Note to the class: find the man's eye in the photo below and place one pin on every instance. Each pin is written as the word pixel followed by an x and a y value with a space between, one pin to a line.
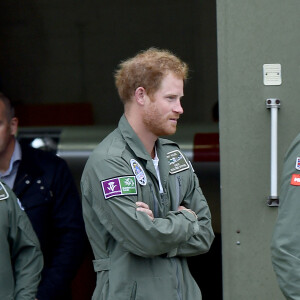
pixel 171 97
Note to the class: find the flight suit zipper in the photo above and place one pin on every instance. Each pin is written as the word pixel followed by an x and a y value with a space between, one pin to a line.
pixel 178 202
pixel 155 201
pixel 178 191
pixel 178 289
pixel 178 188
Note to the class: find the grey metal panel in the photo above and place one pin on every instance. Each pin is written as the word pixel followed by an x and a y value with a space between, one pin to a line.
pixel 250 34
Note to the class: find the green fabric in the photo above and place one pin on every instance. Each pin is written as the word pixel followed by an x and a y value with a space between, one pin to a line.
pixel 285 245
pixel 21 259
pixel 136 258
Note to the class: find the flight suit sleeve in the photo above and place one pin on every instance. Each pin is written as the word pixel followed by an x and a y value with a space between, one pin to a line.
pixel 195 200
pixel 285 245
pixel 26 255
pixel 133 229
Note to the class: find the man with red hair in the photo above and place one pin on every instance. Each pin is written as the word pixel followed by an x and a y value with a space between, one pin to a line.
pixel 143 208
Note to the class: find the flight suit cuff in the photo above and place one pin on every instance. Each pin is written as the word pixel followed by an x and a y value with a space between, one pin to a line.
pixel 193 218
pixel 189 215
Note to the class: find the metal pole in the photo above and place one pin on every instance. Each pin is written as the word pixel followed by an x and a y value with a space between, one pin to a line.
pixel 274 105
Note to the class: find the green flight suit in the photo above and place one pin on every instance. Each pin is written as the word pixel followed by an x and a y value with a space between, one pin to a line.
pixel 135 257
pixel 285 247
pixel 21 259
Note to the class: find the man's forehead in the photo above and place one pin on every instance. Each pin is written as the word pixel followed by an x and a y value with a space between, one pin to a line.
pixel 171 80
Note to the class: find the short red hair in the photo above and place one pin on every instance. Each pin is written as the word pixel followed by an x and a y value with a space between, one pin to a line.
pixel 147 69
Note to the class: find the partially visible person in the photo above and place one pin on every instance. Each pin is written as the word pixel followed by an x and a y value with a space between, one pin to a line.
pixel 285 247
pixel 44 184
pixel 143 208
pixel 21 259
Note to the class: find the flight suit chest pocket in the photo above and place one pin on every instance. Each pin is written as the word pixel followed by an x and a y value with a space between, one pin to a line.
pixel 148 196
pixel 158 202
pixel 176 191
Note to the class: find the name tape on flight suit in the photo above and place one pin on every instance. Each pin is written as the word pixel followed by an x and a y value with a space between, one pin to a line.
pixel 119 186
pixel 295 179
pixel 177 162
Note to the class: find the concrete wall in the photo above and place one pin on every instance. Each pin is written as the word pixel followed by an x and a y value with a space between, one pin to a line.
pixel 55 51
pixel 250 34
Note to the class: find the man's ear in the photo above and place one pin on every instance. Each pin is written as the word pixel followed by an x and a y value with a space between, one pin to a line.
pixel 140 95
pixel 14 125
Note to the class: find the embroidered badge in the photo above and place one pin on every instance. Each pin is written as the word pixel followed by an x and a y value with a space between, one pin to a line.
pixel 295 179
pixel 119 186
pixel 298 163
pixel 3 192
pixel 177 162
pixel 138 172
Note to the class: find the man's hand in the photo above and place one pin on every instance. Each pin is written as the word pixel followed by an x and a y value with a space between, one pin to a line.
pixel 189 210
pixel 181 208
pixel 141 206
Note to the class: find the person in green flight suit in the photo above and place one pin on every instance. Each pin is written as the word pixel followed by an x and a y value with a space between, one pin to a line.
pixel 21 258
pixel 285 246
pixel 143 208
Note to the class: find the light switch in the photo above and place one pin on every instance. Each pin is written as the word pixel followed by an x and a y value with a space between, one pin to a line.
pixel 272 74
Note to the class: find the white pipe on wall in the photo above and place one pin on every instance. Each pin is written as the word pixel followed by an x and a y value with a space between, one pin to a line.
pixel 274 105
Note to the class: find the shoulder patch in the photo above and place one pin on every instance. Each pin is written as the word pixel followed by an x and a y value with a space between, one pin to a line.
pixel 295 180
pixel 298 163
pixel 138 172
pixel 177 162
pixel 3 192
pixel 119 186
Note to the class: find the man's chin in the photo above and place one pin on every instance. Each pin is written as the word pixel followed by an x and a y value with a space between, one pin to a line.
pixel 170 131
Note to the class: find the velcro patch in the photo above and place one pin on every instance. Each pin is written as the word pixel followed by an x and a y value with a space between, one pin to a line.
pixel 138 172
pixel 119 186
pixel 295 179
pixel 177 162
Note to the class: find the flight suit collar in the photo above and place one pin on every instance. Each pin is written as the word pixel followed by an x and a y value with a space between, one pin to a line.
pixel 164 167
pixel 132 139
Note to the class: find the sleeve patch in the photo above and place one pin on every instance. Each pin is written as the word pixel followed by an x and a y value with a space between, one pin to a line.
pixel 119 186
pixel 295 180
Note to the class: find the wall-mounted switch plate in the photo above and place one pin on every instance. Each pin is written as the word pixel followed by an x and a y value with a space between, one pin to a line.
pixel 272 74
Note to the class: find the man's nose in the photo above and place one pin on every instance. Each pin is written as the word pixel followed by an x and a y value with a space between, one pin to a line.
pixel 178 108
